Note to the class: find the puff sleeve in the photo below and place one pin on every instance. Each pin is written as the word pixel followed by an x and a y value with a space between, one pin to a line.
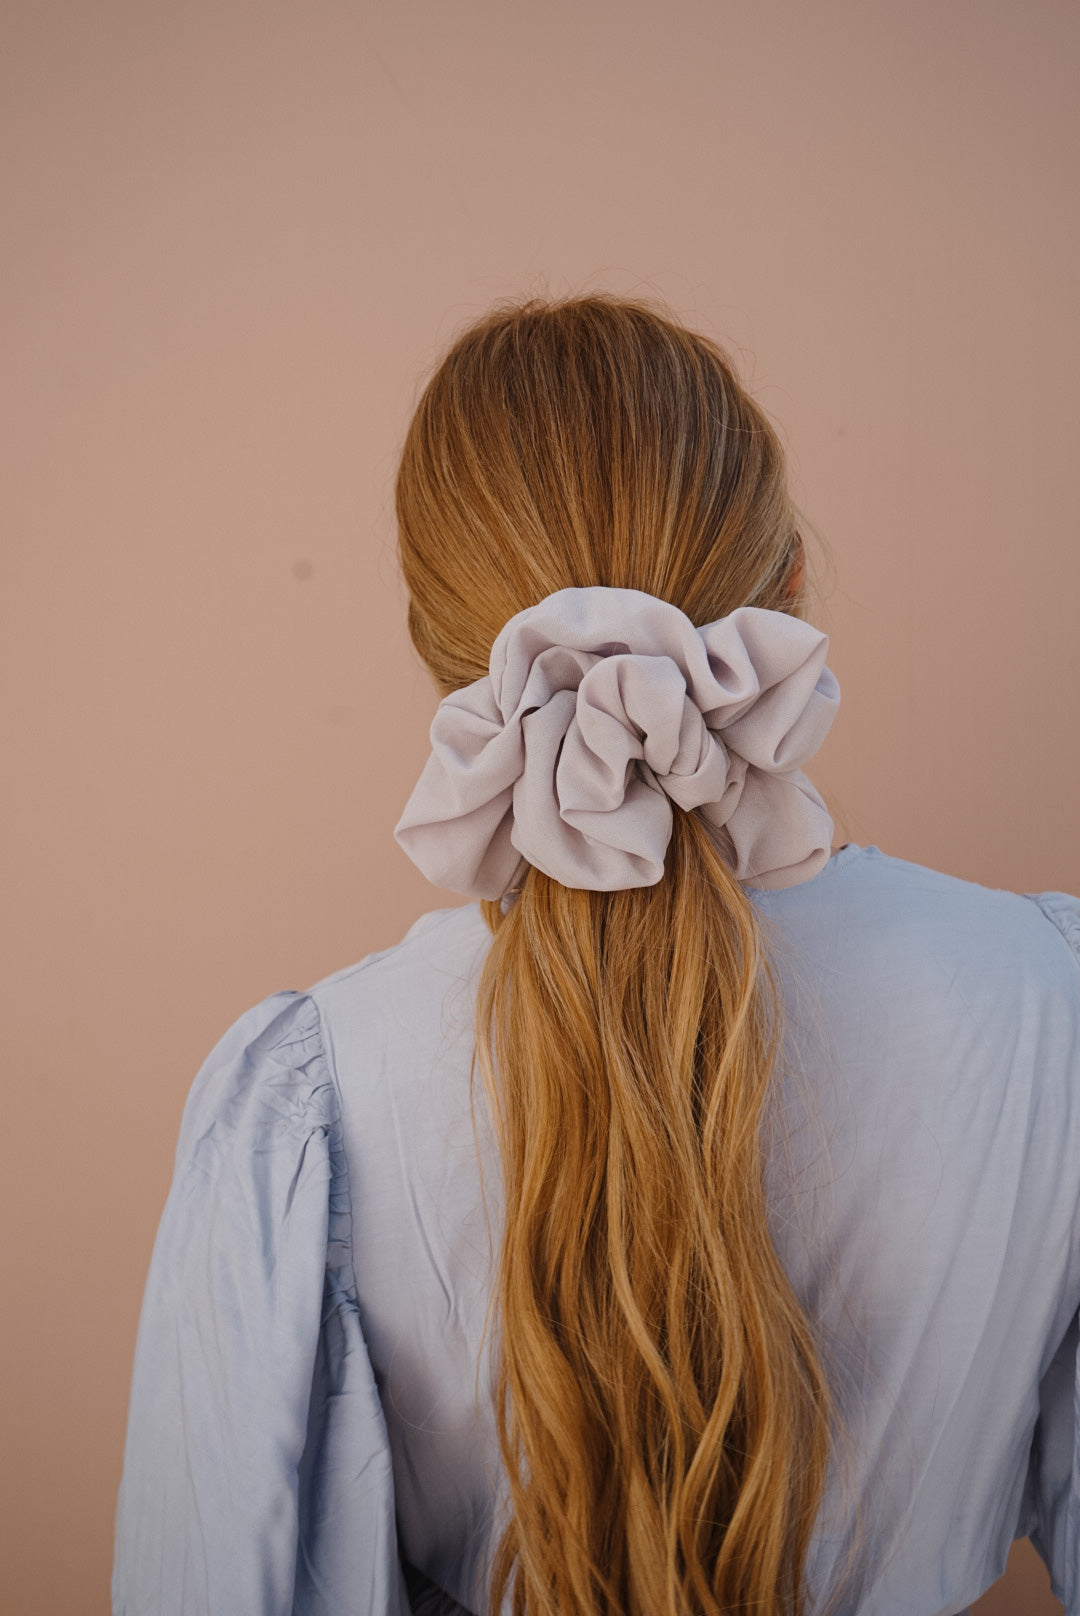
pixel 257 1478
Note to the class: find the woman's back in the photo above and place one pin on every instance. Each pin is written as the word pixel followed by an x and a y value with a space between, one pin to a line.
pixel 924 1199
pixel 779 1147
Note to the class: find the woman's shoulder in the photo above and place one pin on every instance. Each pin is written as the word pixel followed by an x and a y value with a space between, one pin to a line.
pixel 865 911
pixel 434 937
pixel 392 1008
pixel 863 900
pixel 863 892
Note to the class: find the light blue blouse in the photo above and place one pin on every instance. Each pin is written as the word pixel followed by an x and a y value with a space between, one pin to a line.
pixel 310 1430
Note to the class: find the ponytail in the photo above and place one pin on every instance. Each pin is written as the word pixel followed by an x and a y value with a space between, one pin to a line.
pixel 662 1413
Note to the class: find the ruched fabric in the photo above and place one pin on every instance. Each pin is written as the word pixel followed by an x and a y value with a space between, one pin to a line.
pixel 257 1478
pixel 600 709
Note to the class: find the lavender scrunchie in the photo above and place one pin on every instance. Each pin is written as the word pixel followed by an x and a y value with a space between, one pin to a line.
pixel 601 707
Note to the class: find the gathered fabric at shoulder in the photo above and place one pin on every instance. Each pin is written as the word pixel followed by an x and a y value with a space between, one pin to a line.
pixel 257 1478
pixel 1063 910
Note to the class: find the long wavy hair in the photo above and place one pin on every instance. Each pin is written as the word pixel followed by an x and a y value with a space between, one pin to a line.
pixel 662 1411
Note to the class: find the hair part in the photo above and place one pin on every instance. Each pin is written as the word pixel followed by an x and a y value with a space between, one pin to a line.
pixel 662 1412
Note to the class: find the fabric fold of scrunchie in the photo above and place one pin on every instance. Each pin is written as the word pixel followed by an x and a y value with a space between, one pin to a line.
pixel 602 707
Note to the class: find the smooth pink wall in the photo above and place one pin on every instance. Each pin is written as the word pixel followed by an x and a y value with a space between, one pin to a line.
pixel 236 235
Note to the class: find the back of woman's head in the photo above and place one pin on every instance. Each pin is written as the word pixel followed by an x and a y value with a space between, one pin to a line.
pixel 662 1413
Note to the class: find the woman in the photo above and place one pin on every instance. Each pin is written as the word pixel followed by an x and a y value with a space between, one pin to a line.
pixel 750 1280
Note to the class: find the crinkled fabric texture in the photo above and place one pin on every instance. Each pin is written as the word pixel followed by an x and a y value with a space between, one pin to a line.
pixel 601 708
pixel 257 1477
pixel 310 1429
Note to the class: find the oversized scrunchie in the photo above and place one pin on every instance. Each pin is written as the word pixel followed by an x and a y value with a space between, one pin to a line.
pixel 601 708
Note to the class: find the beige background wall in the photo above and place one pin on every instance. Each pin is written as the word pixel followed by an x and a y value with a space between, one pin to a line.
pixel 234 237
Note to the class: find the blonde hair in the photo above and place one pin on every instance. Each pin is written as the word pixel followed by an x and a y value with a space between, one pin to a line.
pixel 662 1412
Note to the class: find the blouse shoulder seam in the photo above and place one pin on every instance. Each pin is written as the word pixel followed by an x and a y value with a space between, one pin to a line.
pixel 299 1044
pixel 1062 910
pixel 341 1288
